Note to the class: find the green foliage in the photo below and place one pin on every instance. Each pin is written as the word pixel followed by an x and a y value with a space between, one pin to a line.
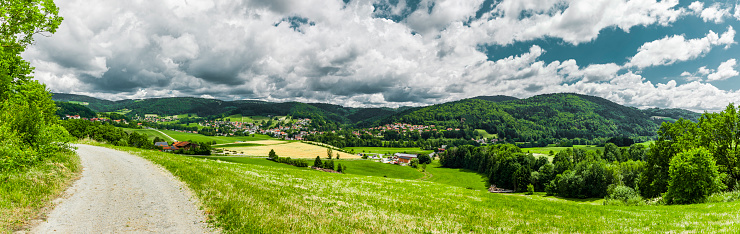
pixel 674 138
pixel 612 152
pixel 329 153
pixel 424 159
pixel 530 189
pixel 622 195
pixel 67 108
pixel 317 163
pixel 329 164
pixel 289 161
pixel 28 124
pixel 693 177
pixel 414 163
pixel 522 178
pixel 550 116
pixel 272 155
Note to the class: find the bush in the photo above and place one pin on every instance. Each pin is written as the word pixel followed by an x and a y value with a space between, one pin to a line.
pixel 725 196
pixel 622 195
pixel 317 163
pixel 693 177
pixel 272 155
pixel 530 189
pixel 425 159
pixel 414 163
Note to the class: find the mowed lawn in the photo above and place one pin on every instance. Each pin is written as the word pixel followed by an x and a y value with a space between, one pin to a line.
pixel 387 150
pixel 253 198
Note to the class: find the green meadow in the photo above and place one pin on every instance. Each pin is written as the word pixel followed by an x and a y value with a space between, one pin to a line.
pixel 485 134
pixel 24 192
pixel 183 136
pixel 257 196
pixel 456 177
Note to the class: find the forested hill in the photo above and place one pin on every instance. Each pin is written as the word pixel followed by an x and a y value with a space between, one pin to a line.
pixel 542 117
pixel 211 107
pixel 539 117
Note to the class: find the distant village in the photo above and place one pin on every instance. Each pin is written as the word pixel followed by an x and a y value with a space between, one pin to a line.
pixel 296 129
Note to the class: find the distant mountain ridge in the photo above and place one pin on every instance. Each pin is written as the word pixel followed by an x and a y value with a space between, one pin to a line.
pixel 560 115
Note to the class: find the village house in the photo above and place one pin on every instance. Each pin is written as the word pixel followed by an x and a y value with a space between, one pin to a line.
pixel 183 145
pixel 405 158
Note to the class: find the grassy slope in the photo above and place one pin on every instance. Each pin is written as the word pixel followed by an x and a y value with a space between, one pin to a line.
pixel 181 136
pixel 23 194
pixel 259 198
pixel 456 177
pixel 387 150
pixel 151 133
pixel 485 134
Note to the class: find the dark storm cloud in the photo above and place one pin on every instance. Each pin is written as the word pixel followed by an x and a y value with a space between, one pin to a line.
pixel 378 52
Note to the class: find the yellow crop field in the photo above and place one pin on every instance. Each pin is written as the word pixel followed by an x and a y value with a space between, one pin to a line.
pixel 293 150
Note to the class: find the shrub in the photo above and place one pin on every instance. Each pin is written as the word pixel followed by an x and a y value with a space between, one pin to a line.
pixel 414 163
pixel 272 155
pixel 424 159
pixel 693 177
pixel 530 189
pixel 725 196
pixel 622 195
pixel 317 163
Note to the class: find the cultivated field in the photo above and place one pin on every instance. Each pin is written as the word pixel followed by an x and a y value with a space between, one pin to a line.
pixel 287 149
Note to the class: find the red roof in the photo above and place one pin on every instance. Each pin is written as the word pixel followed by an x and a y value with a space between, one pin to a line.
pixel 181 144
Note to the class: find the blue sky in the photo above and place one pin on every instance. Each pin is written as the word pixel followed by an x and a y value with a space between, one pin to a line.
pixel 641 53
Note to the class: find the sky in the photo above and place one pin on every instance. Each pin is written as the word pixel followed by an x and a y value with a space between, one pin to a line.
pixel 391 53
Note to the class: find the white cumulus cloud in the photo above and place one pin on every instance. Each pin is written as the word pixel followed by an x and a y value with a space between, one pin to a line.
pixel 677 48
pixel 724 71
pixel 714 13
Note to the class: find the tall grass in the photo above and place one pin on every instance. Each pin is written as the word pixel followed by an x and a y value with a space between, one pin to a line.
pixel 253 198
pixel 26 192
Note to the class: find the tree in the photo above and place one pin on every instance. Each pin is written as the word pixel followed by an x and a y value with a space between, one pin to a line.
pixel 339 167
pixel 673 138
pixel 424 159
pixel 530 189
pixel 329 164
pixel 693 177
pixel 522 178
pixel 29 128
pixel 720 134
pixel 272 155
pixel 337 155
pixel 317 163
pixel 612 152
pixel 328 153
pixel 414 163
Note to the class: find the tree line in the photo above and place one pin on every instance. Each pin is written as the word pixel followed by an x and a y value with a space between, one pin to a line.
pixel 689 162
pixel 108 133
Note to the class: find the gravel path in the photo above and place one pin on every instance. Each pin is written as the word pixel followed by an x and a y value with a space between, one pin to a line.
pixel 119 192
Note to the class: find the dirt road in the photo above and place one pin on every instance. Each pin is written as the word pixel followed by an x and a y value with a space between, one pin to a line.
pixel 119 192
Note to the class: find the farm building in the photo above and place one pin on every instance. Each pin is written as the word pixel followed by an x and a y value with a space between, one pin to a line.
pixel 405 158
pixel 183 145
